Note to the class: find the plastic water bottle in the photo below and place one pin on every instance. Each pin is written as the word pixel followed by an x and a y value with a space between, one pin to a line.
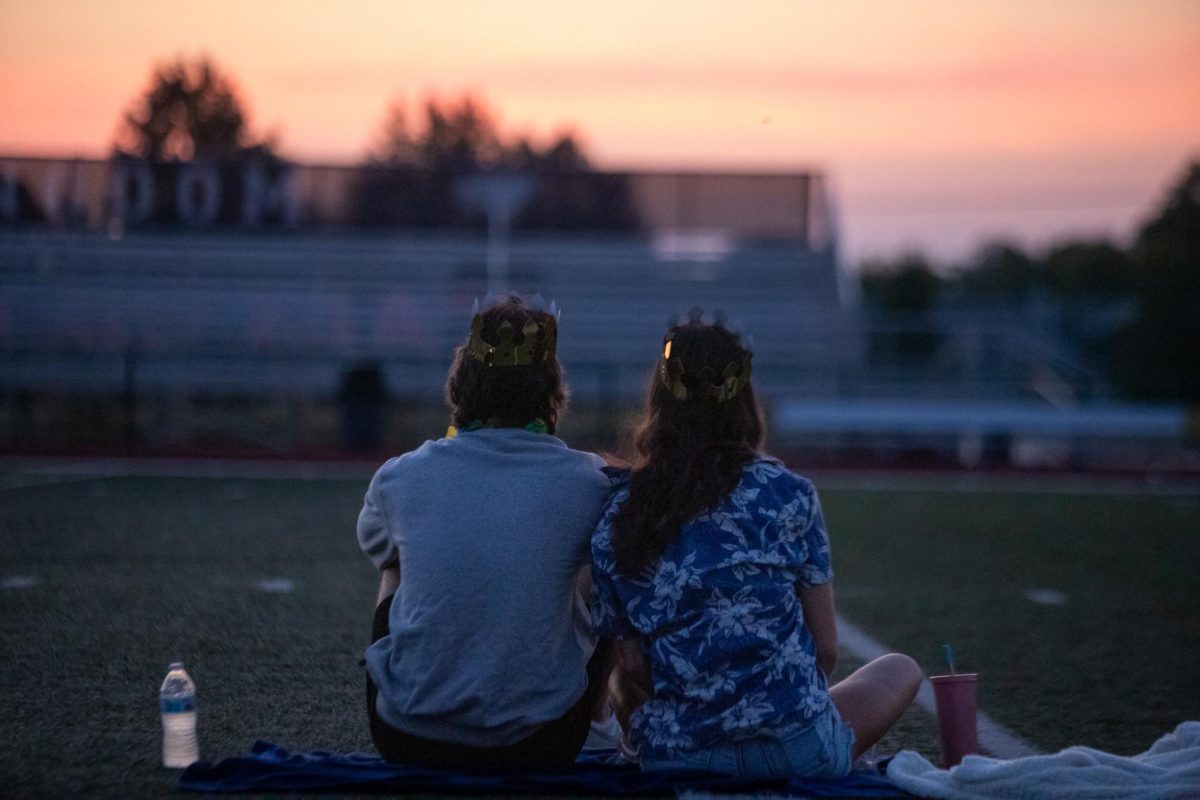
pixel 177 702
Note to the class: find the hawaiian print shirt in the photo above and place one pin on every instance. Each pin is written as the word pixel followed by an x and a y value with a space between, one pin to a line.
pixel 720 617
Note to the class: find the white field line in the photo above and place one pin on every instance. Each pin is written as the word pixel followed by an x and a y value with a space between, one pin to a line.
pixel 997 740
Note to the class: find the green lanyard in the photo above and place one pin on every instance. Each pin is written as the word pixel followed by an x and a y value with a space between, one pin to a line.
pixel 537 426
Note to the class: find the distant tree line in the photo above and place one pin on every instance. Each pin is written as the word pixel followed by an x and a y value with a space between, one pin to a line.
pixel 1153 355
pixel 410 178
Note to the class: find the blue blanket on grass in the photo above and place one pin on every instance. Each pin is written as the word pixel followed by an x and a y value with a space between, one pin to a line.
pixel 270 768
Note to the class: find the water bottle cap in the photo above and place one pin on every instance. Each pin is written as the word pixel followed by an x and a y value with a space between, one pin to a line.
pixel 176 665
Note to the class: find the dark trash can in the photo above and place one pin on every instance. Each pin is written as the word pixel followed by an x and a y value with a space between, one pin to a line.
pixel 364 401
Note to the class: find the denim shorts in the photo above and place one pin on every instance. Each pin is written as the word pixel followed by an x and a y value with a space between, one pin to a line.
pixel 819 750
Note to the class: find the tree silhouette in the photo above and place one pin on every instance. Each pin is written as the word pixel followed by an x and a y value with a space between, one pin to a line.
pixel 395 145
pixel 191 110
pixel 459 137
pixel 1092 269
pixel 905 291
pixel 908 285
pixel 454 136
pixel 411 170
pixel 189 113
pixel 570 195
pixel 1002 272
pixel 1155 358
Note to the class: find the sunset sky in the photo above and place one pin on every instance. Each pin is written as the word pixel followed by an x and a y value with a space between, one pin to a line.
pixel 939 123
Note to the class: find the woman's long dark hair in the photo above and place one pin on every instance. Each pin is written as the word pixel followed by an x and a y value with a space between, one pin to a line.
pixel 689 453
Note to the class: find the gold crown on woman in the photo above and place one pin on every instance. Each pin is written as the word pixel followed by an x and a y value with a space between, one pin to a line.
pixel 706 383
pixel 534 342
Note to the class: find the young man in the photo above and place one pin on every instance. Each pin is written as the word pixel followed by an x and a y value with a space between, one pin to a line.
pixel 483 651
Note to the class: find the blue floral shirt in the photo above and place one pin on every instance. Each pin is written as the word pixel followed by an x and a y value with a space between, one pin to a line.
pixel 720 616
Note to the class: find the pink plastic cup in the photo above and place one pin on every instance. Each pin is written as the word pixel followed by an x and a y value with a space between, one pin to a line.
pixel 954 696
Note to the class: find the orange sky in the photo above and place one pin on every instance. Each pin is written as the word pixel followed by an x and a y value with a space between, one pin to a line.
pixel 939 122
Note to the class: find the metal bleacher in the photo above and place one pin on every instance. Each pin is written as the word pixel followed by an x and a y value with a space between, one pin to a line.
pixel 279 313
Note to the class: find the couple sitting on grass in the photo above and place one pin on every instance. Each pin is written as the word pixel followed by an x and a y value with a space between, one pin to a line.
pixel 527 588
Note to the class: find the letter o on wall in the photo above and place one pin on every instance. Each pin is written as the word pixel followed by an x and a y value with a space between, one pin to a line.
pixel 202 180
pixel 132 192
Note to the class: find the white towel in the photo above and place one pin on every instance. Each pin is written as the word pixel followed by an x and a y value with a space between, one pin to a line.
pixel 1170 770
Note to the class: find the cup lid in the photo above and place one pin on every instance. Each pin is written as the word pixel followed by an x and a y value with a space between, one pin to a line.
pixel 958 677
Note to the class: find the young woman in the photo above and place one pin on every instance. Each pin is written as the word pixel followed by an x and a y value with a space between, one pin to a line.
pixel 482 646
pixel 712 569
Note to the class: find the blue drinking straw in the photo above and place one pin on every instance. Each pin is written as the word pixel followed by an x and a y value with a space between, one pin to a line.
pixel 948 652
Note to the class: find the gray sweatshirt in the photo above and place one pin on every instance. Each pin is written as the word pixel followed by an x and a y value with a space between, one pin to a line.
pixel 488 638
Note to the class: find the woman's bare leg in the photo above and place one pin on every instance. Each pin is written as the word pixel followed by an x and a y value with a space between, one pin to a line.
pixel 872 698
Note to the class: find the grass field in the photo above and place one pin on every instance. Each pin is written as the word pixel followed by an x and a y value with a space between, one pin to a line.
pixel 105 581
pixel 1112 666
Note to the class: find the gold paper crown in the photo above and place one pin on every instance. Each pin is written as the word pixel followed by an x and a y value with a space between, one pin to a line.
pixel 538 341
pixel 720 387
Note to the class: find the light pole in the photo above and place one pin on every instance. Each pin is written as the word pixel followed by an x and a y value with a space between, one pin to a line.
pixel 501 195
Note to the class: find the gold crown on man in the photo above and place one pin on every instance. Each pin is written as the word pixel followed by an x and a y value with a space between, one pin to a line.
pixel 536 340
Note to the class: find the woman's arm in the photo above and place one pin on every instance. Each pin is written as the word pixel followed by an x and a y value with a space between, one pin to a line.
pixel 819 618
pixel 630 684
pixel 389 581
